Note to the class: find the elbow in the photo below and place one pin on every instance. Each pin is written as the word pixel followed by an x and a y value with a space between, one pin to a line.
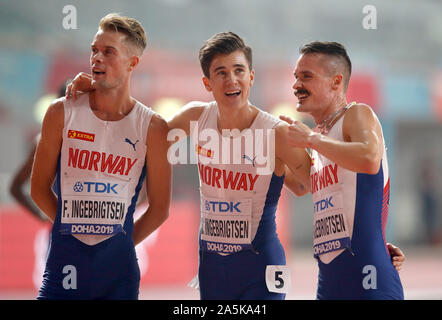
pixel 33 195
pixel 164 214
pixel 304 186
pixel 14 191
pixel 301 193
pixel 371 164
pixel 34 192
pixel 302 190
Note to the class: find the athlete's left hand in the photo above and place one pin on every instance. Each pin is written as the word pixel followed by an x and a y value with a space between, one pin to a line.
pixel 299 135
pixel 82 82
pixel 397 256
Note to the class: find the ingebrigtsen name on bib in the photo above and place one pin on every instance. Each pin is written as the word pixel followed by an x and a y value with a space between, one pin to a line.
pixel 238 229
pixel 94 209
pixel 331 224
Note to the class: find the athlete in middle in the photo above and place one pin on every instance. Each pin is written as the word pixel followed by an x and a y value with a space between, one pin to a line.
pixel 241 172
pixel 241 256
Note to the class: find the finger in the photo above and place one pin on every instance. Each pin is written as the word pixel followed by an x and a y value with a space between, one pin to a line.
pixel 286 119
pixel 294 125
pixel 68 91
pixel 74 91
pixel 391 246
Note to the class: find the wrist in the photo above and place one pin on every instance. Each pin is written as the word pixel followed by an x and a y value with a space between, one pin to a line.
pixel 313 139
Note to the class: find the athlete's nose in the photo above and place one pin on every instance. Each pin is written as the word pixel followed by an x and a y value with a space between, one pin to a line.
pixel 96 57
pixel 297 84
pixel 231 78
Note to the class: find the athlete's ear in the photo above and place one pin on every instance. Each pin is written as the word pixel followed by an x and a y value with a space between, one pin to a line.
pixel 337 81
pixel 207 84
pixel 252 76
pixel 133 62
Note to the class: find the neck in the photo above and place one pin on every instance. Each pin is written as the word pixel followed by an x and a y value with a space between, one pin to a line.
pixel 328 111
pixel 236 118
pixel 111 104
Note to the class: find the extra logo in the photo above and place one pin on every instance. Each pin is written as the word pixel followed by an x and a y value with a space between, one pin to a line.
pixel 97 187
pixel 222 206
pixel 204 152
pixel 74 134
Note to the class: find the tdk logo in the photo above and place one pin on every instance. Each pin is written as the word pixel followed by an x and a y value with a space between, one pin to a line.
pixel 222 206
pixel 97 187
pixel 323 204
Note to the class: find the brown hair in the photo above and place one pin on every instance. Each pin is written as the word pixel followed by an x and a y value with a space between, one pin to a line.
pixel 333 49
pixel 134 31
pixel 222 43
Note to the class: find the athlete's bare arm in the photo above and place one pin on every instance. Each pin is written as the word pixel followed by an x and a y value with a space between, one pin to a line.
pixel 190 112
pixel 181 120
pixel 362 133
pixel 23 175
pixel 46 158
pixel 296 160
pixel 362 148
pixel 158 180
pixel 81 83
pixel 291 183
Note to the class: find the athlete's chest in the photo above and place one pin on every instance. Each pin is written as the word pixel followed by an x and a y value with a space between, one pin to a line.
pixel 114 148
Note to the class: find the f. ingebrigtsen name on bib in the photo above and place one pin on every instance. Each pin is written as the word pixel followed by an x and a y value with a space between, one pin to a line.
pixel 94 209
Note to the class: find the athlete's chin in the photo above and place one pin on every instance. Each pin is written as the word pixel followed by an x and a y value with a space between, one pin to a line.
pixel 102 84
pixel 235 102
pixel 302 107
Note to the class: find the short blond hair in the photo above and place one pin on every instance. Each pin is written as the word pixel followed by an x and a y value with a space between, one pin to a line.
pixel 134 31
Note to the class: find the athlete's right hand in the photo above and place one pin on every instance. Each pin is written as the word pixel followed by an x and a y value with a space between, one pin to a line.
pixel 287 119
pixel 81 83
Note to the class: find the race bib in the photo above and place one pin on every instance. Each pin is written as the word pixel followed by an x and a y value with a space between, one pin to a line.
pixel 278 278
pixel 92 206
pixel 330 227
pixel 226 225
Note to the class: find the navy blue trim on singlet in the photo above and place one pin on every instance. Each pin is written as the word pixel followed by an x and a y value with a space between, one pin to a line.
pixel 57 189
pixel 267 225
pixel 129 221
pixel 343 277
pixel 367 230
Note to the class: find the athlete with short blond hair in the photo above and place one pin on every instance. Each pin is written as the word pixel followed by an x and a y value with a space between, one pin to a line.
pixel 101 148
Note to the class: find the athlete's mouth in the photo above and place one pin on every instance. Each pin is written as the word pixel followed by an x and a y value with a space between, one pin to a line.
pixel 302 94
pixel 98 71
pixel 233 93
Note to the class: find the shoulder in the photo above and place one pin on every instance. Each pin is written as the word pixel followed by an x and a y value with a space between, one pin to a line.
pixel 53 122
pixel 358 119
pixel 268 119
pixel 195 108
pixel 157 135
pixel 192 111
pixel 55 111
pixel 157 124
pixel 359 111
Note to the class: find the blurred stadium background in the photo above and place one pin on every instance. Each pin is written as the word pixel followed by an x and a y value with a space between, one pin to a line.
pixel 397 70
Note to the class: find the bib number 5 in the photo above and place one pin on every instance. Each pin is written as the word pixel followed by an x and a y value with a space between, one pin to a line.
pixel 278 278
